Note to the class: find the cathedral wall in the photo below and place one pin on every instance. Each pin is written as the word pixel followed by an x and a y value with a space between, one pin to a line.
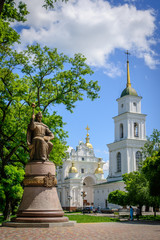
pixel 101 193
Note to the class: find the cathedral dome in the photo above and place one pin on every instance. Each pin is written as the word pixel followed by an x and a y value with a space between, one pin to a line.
pixel 89 145
pixel 129 91
pixel 99 170
pixel 73 169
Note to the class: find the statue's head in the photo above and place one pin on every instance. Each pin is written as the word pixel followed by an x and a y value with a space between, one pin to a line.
pixel 39 117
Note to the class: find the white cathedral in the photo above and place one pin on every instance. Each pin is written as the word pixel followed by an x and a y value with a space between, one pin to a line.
pixel 80 179
pixel 78 175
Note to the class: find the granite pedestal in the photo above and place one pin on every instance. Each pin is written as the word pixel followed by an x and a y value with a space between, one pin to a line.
pixel 40 204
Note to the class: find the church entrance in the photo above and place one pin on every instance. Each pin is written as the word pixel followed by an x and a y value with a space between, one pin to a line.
pixel 88 194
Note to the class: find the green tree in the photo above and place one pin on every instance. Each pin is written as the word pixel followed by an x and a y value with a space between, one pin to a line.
pixel 11 190
pixel 137 191
pixel 39 75
pixel 151 167
pixel 11 11
pixel 136 186
pixel 151 170
pixel 118 197
pixel 152 144
pixel 46 83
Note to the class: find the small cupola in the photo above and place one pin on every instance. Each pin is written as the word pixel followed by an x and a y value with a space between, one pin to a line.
pixel 99 170
pixel 73 169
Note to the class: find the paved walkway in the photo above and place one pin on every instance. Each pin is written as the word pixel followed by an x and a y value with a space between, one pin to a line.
pixel 86 231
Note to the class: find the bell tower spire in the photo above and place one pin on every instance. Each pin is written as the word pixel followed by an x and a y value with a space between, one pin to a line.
pixel 128 74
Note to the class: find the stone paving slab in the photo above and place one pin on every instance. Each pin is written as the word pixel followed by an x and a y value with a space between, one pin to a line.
pixel 86 231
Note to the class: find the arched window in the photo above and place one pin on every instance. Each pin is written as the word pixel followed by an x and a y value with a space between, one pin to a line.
pixel 138 160
pixel 134 107
pixel 121 130
pixel 118 162
pixel 134 104
pixel 136 134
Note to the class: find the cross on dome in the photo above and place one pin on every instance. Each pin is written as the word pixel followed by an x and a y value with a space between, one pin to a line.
pixel 87 128
pixel 127 54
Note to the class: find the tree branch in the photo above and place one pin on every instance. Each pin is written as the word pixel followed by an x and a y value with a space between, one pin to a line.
pixel 11 153
pixel 1 5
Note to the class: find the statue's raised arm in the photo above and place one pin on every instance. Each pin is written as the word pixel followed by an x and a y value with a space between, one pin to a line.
pixel 38 139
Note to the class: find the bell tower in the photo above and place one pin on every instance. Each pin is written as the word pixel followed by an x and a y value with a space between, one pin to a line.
pixel 130 133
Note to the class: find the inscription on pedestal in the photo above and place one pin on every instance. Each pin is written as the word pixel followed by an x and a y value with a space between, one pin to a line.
pixel 40 181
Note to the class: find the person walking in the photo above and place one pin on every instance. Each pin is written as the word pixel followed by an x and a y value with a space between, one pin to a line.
pixel 137 213
pixel 131 213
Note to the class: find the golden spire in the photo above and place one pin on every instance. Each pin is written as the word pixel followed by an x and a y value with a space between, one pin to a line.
pixel 88 144
pixel 128 74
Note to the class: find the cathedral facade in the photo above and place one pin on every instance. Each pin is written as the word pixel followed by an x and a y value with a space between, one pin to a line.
pixel 125 152
pixel 77 176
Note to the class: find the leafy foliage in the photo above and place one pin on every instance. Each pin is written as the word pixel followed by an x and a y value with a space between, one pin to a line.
pixel 49 4
pixel 136 186
pixel 151 169
pixel 137 192
pixel 55 78
pixel 152 144
pixel 118 197
pixel 11 11
pixel 151 164
pixel 11 190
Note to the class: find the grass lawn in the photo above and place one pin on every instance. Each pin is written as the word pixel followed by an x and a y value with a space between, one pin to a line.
pixel 90 219
pixel 150 217
pixel 84 219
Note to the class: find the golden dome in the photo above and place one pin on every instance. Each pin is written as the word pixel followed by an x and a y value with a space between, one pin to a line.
pixel 73 169
pixel 99 170
pixel 88 144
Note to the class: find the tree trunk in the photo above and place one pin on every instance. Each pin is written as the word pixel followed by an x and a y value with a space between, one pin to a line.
pixel 7 210
pixel 154 209
pixel 140 208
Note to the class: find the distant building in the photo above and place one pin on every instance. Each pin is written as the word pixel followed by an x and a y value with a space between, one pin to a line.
pixel 125 152
pixel 76 177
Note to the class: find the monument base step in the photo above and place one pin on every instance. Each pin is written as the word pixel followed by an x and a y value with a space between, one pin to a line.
pixel 38 225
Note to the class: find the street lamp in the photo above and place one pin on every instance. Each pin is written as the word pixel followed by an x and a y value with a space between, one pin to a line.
pixel 83 194
pixel 69 198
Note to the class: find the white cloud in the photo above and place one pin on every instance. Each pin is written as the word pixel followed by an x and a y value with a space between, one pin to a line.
pixel 69 149
pixel 94 28
pixel 150 61
pixel 106 166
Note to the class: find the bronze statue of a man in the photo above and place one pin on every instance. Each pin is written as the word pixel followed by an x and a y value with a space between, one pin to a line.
pixel 38 139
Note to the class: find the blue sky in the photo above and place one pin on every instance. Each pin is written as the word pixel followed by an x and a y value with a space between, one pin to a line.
pixel 103 31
